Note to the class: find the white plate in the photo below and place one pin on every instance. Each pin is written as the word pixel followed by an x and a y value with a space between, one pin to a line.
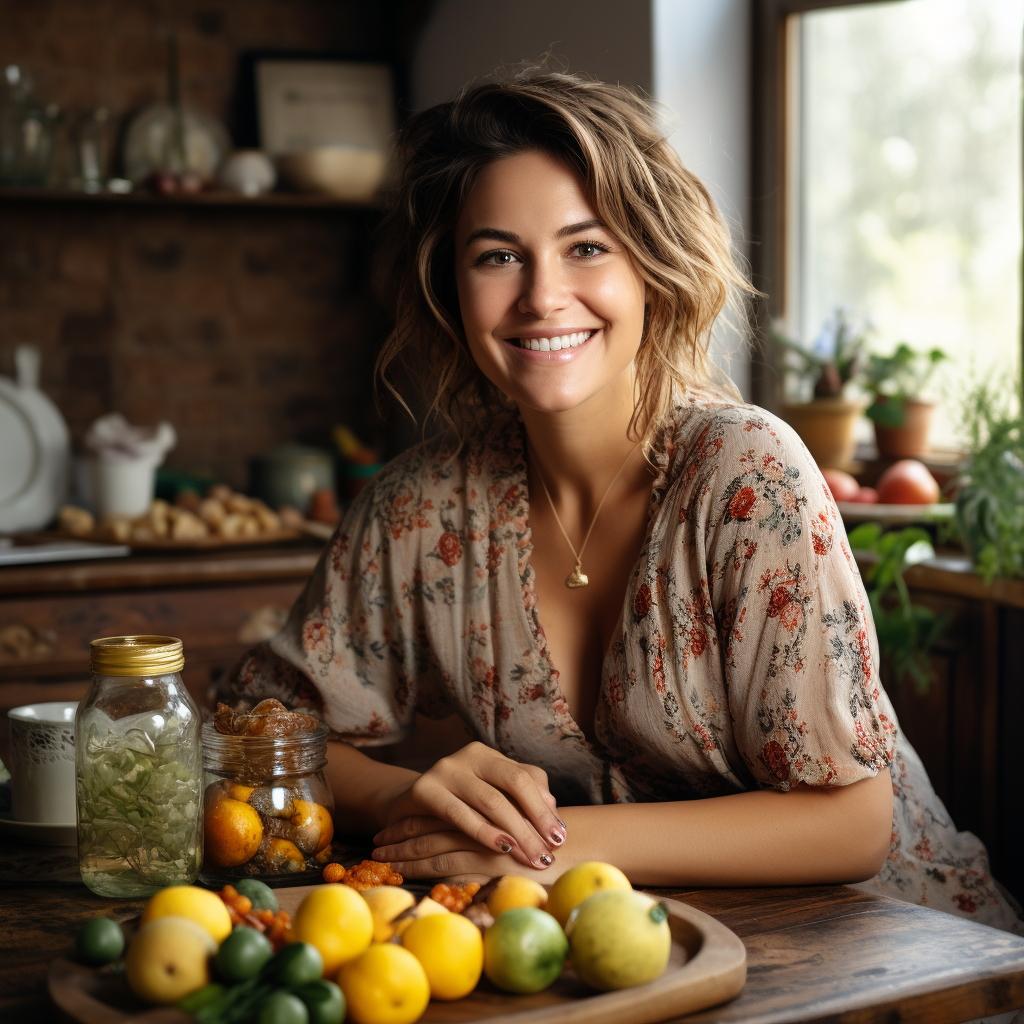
pixel 39 834
pixel 867 512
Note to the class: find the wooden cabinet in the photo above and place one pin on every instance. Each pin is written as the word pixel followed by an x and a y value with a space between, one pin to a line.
pixel 967 727
pixel 217 604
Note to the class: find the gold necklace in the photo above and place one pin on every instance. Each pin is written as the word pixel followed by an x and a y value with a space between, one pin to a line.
pixel 577 578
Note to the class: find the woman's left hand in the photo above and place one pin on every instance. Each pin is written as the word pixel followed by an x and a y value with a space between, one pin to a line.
pixel 427 847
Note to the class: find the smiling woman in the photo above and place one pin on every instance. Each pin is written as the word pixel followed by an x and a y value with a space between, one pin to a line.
pixel 716 716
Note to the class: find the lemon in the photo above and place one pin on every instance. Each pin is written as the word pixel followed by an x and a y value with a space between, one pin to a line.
pixel 619 939
pixel 169 958
pixel 384 985
pixel 514 891
pixel 572 888
pixel 200 905
pixel 424 908
pixel 335 919
pixel 386 902
pixel 451 950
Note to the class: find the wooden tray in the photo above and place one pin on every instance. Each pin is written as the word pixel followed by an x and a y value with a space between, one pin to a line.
pixel 213 542
pixel 894 515
pixel 708 966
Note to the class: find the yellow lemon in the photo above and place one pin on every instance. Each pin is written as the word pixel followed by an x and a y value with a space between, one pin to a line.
pixel 451 950
pixel 168 959
pixel 335 919
pixel 200 905
pixel 386 902
pixel 513 891
pixel 384 985
pixel 572 888
pixel 232 830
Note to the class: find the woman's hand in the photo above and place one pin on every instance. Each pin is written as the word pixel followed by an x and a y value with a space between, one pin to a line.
pixel 445 853
pixel 498 803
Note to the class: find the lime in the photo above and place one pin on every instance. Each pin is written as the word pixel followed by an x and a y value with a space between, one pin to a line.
pixel 283 1008
pixel 242 955
pixel 324 1001
pixel 201 997
pixel 99 941
pixel 524 950
pixel 259 893
pixel 295 965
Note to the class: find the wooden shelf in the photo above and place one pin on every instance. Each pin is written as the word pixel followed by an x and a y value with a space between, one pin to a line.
pixel 143 197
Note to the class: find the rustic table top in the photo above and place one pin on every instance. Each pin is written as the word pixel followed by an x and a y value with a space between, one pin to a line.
pixel 814 954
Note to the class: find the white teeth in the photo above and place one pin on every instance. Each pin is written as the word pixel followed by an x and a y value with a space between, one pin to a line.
pixel 555 344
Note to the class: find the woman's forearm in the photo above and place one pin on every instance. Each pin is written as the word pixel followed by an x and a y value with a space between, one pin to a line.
pixel 363 788
pixel 810 835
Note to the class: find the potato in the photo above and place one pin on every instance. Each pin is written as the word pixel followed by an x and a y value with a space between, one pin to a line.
pixel 77 521
pixel 212 512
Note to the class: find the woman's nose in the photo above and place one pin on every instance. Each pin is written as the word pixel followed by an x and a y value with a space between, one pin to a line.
pixel 545 291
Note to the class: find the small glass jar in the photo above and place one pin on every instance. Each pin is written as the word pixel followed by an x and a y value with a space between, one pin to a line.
pixel 138 766
pixel 268 808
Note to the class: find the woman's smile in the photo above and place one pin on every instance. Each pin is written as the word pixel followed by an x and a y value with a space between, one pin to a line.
pixel 562 344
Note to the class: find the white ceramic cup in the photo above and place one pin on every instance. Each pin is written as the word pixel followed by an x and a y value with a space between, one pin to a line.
pixel 43 763
pixel 122 486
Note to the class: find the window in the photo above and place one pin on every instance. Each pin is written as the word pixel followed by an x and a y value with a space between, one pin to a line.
pixel 902 168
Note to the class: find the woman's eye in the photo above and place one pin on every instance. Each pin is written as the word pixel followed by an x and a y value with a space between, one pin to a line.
pixel 499 258
pixel 587 250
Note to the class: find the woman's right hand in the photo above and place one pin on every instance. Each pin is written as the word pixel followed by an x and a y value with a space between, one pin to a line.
pixel 503 805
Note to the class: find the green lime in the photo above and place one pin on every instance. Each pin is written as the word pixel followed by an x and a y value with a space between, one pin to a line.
pixel 201 997
pixel 242 955
pixel 295 965
pixel 99 941
pixel 524 950
pixel 283 1008
pixel 259 893
pixel 324 1001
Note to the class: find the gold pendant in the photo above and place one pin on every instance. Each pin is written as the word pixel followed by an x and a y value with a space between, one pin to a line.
pixel 576 578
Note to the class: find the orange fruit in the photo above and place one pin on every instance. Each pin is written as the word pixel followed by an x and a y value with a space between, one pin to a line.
pixel 279 857
pixel 232 831
pixel 313 826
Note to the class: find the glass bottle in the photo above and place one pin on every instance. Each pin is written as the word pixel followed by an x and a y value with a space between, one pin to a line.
pixel 269 807
pixel 138 762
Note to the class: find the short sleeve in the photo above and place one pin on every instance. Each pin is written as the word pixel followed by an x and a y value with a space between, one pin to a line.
pixel 355 644
pixel 798 644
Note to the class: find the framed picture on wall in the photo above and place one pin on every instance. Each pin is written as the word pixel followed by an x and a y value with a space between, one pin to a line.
pixel 309 102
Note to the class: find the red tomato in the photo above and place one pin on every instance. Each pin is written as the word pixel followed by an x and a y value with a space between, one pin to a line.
pixel 907 482
pixel 867 496
pixel 842 485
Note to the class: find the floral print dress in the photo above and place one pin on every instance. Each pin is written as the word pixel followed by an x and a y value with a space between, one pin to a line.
pixel 746 659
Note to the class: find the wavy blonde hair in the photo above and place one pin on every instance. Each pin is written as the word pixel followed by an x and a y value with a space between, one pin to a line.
pixel 661 213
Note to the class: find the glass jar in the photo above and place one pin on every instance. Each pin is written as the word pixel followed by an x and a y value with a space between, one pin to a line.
pixel 267 806
pixel 138 765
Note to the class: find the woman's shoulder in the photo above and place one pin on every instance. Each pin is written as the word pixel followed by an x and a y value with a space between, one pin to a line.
pixel 705 435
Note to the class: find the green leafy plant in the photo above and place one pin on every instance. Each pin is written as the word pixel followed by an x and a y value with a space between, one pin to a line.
pixel 897 378
pixel 906 631
pixel 833 360
pixel 990 483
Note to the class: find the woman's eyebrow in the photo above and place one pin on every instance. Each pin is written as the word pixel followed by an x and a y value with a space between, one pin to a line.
pixel 497 235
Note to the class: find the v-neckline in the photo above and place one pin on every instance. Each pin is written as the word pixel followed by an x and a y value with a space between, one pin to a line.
pixel 565 720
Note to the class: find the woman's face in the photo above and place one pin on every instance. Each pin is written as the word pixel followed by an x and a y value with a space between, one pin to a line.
pixel 552 304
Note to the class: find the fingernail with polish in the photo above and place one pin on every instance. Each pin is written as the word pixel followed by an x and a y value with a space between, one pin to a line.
pixel 546 859
pixel 504 844
pixel 556 837
pixel 562 823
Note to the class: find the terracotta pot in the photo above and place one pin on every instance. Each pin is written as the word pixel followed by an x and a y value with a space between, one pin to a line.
pixel 910 440
pixel 826 426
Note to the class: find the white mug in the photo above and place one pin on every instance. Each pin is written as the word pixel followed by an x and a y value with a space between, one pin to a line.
pixel 43 763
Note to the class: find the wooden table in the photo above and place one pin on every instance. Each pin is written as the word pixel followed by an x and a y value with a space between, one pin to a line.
pixel 818 953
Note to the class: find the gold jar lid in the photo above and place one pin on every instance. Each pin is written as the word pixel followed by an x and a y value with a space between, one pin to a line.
pixel 136 656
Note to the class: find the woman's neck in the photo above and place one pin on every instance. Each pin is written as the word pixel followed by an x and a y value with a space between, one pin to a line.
pixel 579 452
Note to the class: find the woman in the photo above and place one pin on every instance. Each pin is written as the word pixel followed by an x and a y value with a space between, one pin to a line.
pixel 594 502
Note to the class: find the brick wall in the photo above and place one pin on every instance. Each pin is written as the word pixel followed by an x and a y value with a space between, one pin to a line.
pixel 245 328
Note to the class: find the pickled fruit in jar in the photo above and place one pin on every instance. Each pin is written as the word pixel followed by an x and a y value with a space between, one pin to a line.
pixel 273 801
pixel 232 829
pixel 312 827
pixel 276 856
pixel 237 791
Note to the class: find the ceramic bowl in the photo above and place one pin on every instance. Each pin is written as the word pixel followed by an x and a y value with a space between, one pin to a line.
pixel 339 171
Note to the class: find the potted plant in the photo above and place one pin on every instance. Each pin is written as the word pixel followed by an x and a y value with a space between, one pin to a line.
pixel 901 416
pixel 826 422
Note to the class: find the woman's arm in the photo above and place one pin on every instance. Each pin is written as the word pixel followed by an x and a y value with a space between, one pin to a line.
pixel 810 835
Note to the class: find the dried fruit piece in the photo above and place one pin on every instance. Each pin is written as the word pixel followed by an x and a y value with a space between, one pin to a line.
pixel 454 897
